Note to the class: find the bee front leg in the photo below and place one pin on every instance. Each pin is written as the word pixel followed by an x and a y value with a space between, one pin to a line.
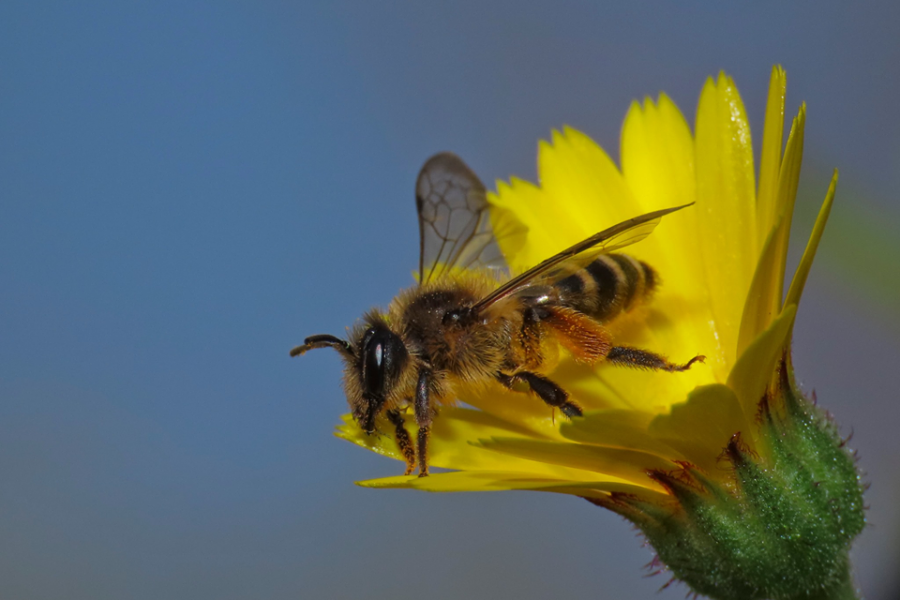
pixel 423 418
pixel 403 440
pixel 546 390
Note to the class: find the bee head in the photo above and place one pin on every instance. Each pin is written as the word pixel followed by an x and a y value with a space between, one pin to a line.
pixel 381 358
pixel 374 361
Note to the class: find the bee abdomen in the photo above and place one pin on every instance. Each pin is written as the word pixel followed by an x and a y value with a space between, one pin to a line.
pixel 610 285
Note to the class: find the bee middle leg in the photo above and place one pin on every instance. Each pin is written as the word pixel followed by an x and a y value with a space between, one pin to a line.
pixel 403 440
pixel 546 390
pixel 644 359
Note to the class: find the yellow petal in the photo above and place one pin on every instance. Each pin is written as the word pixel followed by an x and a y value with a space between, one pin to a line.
pixel 701 427
pixel 799 280
pixel 511 235
pixel 726 206
pixel 658 154
pixel 788 180
pixel 630 465
pixel 492 481
pixel 581 193
pixel 764 297
pixel 618 428
pixel 448 445
pixel 584 184
pixel 527 411
pixel 754 369
pixel 521 204
pixel 380 444
pixel 655 391
pixel 770 161
pixel 658 164
pixel 610 386
pixel 584 383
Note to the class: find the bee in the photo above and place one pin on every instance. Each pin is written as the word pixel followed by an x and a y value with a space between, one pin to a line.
pixel 462 325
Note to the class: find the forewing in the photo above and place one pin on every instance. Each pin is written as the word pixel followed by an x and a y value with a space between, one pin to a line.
pixel 454 220
pixel 581 254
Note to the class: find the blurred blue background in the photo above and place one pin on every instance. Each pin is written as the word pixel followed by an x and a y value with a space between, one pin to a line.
pixel 187 189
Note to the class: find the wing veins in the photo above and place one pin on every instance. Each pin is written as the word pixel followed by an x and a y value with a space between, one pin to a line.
pixel 454 224
pixel 520 281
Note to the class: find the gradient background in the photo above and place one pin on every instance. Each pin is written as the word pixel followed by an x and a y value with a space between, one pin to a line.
pixel 188 189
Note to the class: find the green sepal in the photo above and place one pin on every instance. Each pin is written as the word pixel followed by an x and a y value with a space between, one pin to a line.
pixel 778 527
pixel 808 447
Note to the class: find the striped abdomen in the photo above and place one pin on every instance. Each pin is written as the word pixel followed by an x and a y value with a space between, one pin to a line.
pixel 610 285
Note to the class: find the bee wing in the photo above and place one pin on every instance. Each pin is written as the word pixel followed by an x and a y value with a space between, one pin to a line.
pixel 581 254
pixel 454 221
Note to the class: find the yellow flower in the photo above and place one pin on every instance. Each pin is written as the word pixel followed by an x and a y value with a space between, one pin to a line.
pixel 740 484
pixel 721 263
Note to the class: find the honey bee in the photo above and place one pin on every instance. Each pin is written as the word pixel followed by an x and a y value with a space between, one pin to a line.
pixel 460 325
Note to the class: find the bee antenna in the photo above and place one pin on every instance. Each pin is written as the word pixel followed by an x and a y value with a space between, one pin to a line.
pixel 324 341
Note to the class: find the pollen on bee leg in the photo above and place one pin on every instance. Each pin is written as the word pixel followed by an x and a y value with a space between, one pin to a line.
pixel 404 442
pixel 530 352
pixel 582 336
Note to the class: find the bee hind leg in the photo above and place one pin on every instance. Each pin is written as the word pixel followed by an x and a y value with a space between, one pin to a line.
pixel 403 440
pixel 644 359
pixel 546 390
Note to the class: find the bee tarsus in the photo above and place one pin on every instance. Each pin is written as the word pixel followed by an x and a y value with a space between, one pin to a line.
pixel 643 359
pixel 545 389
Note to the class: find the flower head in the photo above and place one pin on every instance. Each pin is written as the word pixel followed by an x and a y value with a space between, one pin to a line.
pixel 652 445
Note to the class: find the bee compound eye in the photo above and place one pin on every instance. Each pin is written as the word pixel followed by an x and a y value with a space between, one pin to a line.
pixel 383 357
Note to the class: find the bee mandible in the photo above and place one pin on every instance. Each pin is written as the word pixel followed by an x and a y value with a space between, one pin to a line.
pixel 459 325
